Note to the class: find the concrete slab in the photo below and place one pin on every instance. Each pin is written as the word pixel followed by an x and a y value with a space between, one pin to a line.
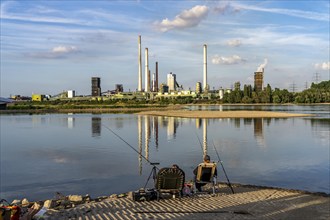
pixel 247 203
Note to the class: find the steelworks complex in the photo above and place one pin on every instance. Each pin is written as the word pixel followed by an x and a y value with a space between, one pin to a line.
pixel 152 89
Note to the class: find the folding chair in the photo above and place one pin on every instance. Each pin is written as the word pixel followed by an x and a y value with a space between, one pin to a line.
pixel 206 174
pixel 169 180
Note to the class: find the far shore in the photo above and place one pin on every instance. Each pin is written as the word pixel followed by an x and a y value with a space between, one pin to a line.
pixel 223 114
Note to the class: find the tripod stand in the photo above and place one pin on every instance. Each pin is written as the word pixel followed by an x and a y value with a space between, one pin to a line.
pixel 153 173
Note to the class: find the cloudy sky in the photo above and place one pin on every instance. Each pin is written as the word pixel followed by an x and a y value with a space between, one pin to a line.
pixel 51 46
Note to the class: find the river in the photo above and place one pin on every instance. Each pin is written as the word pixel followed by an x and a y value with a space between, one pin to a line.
pixel 42 154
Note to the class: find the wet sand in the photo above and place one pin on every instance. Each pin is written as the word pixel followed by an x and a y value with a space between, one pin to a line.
pixel 222 114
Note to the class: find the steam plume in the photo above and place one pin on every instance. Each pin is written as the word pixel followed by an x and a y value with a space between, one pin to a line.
pixel 262 66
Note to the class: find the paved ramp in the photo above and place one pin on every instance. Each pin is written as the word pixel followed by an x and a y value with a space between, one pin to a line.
pixel 246 203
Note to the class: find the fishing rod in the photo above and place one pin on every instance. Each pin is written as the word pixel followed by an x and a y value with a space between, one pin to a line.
pixel 154 168
pixel 128 144
pixel 229 184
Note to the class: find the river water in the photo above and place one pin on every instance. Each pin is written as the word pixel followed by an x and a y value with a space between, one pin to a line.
pixel 83 153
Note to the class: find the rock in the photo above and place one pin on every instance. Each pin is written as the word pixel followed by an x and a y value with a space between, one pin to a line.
pixel 75 198
pixel 59 196
pixel 87 198
pixel 25 202
pixel 113 196
pixel 122 195
pixel 16 202
pixel 49 204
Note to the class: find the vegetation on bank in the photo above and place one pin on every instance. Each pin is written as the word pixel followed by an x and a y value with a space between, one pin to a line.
pixel 317 93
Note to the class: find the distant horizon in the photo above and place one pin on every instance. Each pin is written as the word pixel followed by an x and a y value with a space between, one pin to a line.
pixel 52 46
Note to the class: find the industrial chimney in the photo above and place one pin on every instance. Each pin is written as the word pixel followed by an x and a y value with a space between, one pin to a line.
pixel 147 83
pixel 156 80
pixel 140 66
pixel 205 68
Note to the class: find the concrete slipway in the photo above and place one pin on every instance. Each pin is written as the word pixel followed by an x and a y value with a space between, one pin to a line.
pixel 248 202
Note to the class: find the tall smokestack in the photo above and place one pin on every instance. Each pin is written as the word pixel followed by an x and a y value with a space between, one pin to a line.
pixel 140 66
pixel 205 68
pixel 146 69
pixel 156 83
pixel 148 86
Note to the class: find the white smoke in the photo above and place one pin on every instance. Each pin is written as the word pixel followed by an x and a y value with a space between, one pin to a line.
pixel 322 66
pixel 262 66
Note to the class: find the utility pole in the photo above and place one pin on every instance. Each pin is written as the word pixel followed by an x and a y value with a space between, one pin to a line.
pixel 293 87
pixel 306 85
pixel 316 77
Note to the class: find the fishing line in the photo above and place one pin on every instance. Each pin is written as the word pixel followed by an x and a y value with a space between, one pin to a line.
pixel 229 184
pixel 117 135
pixel 200 143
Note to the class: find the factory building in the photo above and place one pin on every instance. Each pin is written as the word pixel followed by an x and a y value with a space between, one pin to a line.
pixel 119 88
pixel 221 93
pixel 71 93
pixel 259 81
pixel 163 88
pixel 96 86
pixel 171 82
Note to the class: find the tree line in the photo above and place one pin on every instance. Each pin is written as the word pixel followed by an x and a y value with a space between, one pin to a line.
pixel 317 93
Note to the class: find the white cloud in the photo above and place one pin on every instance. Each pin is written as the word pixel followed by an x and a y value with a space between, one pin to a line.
pixel 235 59
pixel 322 66
pixel 186 19
pixel 226 8
pixel 55 53
pixel 234 43
pixel 290 12
pixel 64 49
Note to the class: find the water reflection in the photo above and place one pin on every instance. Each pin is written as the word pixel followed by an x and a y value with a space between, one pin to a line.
pixel 71 120
pixel 171 124
pixel 204 137
pixel 96 126
pixel 258 132
pixel 274 152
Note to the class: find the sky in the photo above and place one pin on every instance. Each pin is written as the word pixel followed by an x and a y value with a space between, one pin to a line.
pixel 48 47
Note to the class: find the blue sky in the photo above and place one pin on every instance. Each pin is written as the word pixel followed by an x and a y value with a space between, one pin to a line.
pixel 51 46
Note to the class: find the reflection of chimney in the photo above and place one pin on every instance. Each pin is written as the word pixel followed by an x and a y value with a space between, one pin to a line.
pixel 204 137
pixel 205 68
pixel 140 142
pixel 146 70
pixel 156 131
pixel 147 136
pixel 156 83
pixel 140 66
pixel 198 122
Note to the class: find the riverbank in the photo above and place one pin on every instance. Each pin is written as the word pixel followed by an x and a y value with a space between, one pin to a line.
pixel 248 202
pixel 223 114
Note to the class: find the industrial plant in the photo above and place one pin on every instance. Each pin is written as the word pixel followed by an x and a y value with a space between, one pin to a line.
pixel 152 89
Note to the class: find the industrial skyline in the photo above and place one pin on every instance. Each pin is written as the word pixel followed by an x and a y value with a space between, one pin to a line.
pixel 52 46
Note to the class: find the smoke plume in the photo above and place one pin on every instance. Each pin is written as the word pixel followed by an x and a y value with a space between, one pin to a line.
pixel 262 66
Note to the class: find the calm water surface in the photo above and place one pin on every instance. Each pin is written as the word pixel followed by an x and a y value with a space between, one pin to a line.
pixel 78 153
